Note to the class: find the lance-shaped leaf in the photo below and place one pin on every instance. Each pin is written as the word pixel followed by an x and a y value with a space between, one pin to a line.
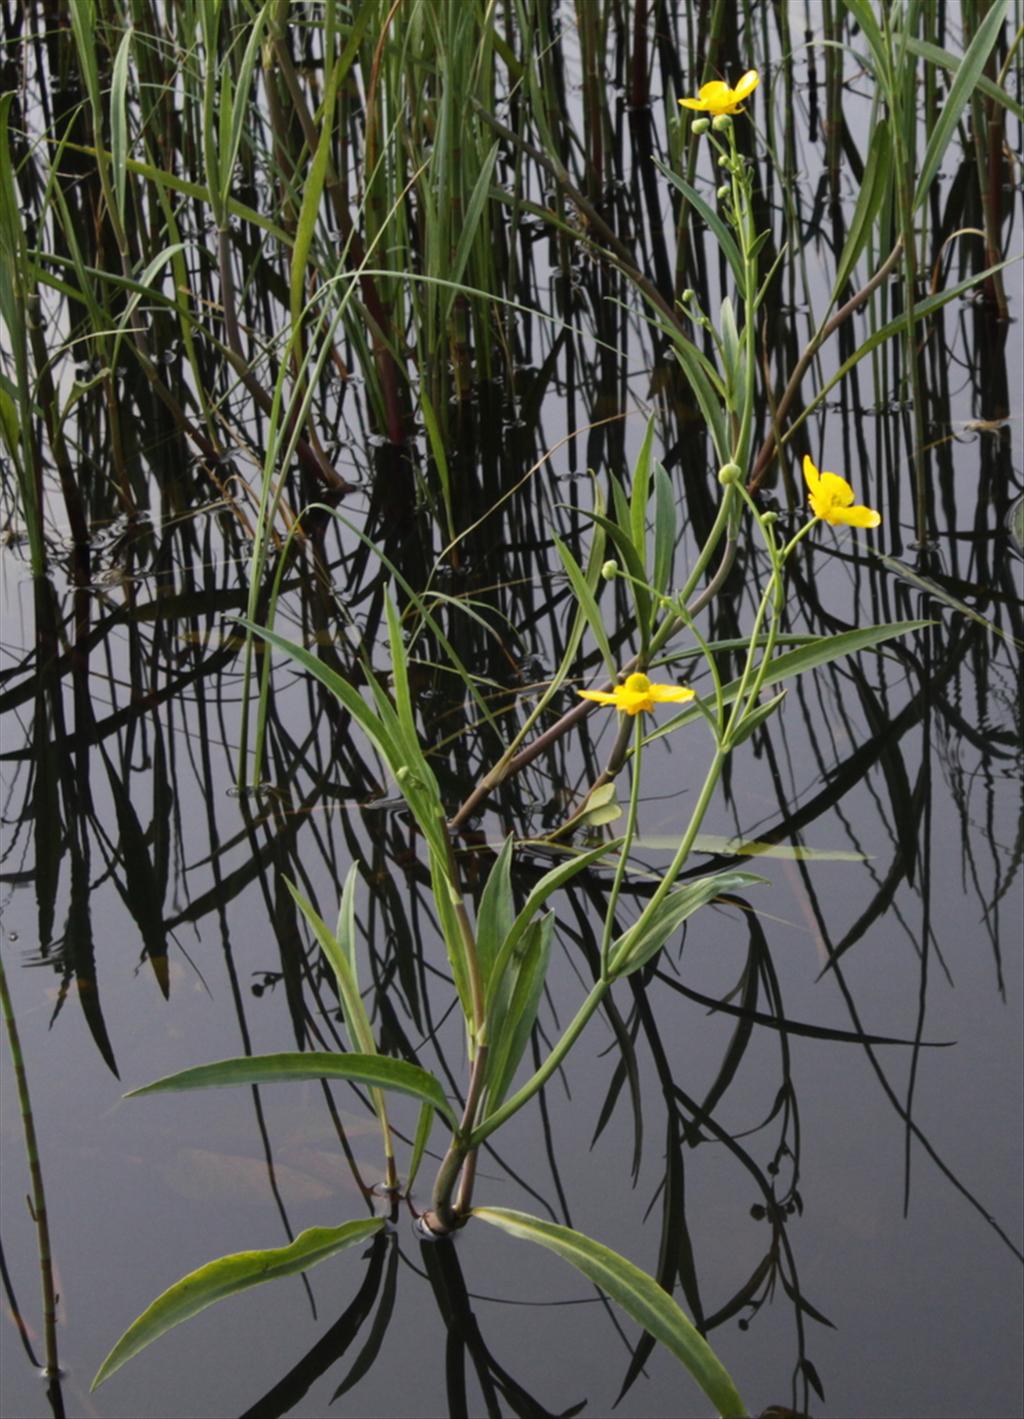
pixel 822 650
pixel 638 1294
pixel 374 1070
pixel 226 1277
pixel 515 1006
pixel 340 953
pixel 549 883
pixel 636 946
pixel 664 529
pixel 497 909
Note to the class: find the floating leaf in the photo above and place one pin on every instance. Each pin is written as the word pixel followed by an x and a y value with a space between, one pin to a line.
pixel 226 1277
pixel 638 1294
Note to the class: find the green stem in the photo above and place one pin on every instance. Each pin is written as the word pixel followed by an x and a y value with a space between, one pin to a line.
pixel 36 1175
pixel 620 869
pixel 700 808
pixel 544 1073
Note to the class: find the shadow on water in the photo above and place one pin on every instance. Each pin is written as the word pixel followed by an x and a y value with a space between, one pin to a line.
pixel 878 976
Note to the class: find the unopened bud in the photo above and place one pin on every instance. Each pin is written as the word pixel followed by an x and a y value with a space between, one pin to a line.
pixel 723 192
pixel 688 295
pixel 700 125
pixel 610 570
pixel 730 473
pixel 769 519
pixel 722 123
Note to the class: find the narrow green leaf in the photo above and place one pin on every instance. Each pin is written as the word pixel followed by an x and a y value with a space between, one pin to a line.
pixel 640 493
pixel 587 602
pixel 640 942
pixel 876 183
pixel 497 909
pixel 424 1124
pixel 119 119
pixel 730 351
pixel 864 14
pixel 226 1277
pixel 374 1070
pixel 722 234
pixel 478 199
pixel 312 191
pixel 966 81
pixel 624 546
pixel 708 401
pixel 754 718
pixel 440 457
pixel 638 1294
pixel 445 898
pixel 340 957
pixel 241 110
pixel 516 1006
pixel 664 530
pixel 943 59
pixel 548 884
pixel 823 650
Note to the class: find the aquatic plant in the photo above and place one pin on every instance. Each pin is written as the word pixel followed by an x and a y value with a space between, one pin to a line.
pixel 499 962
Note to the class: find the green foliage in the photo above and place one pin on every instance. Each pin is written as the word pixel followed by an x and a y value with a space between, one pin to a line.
pixel 227 1276
pixel 638 1294
pixel 376 1070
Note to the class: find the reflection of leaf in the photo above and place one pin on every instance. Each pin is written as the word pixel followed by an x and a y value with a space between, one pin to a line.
pixel 200 1174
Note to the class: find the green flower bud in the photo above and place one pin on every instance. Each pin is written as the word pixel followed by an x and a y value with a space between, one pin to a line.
pixel 769 519
pixel 722 123
pixel 700 125
pixel 725 161
pixel 723 192
pixel 731 473
pixel 688 295
pixel 610 570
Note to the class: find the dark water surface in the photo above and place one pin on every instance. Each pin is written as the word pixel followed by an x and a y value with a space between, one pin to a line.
pixel 844 1214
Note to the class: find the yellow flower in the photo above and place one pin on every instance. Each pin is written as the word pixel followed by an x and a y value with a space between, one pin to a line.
pixel 716 97
pixel 831 499
pixel 639 694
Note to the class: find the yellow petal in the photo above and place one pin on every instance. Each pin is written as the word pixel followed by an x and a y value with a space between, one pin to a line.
pixel 811 475
pixel 715 92
pixel 835 490
pixel 671 694
pixel 601 696
pixel 747 84
pixel 693 103
pixel 857 516
pixel 637 683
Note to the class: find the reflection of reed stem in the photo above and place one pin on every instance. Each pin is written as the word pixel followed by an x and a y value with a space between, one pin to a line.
pixel 768 449
pixel 38 1203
